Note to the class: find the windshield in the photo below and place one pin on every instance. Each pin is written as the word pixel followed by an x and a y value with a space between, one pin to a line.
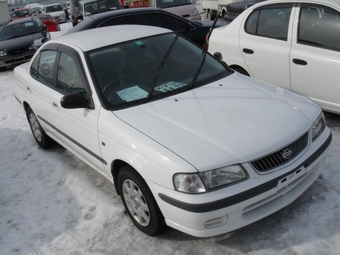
pixel 100 6
pixel 171 3
pixel 20 14
pixel 53 8
pixel 20 29
pixel 125 73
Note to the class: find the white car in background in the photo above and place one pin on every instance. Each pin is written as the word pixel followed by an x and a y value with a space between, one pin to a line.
pixel 294 44
pixel 188 142
pixel 56 11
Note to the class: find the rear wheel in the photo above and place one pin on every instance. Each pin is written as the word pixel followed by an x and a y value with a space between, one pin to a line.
pixel 39 134
pixel 139 202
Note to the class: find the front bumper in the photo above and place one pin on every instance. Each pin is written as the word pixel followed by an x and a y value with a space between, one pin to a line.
pixel 214 213
pixel 14 60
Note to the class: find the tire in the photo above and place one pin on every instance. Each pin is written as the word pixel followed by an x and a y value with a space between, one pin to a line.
pixel 139 202
pixel 211 15
pixel 39 134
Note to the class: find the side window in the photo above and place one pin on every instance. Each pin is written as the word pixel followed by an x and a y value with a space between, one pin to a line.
pixel 43 66
pixel 162 20
pixel 269 22
pixel 131 19
pixel 68 78
pixel 320 27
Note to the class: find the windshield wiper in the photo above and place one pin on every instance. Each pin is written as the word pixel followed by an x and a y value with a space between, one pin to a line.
pixel 159 69
pixel 204 52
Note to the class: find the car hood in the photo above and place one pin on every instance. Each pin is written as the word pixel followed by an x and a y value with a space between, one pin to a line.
pixel 234 120
pixel 19 42
pixel 56 14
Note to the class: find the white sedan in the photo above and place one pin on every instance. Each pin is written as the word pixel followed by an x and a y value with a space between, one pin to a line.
pixel 56 11
pixel 294 44
pixel 188 142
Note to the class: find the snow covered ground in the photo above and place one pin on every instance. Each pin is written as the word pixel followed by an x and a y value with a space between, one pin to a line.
pixel 52 203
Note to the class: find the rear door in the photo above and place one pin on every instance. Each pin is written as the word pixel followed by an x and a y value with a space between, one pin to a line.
pixel 265 42
pixel 315 55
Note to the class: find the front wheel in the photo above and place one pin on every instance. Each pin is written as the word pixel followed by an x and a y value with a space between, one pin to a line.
pixel 139 202
pixel 39 134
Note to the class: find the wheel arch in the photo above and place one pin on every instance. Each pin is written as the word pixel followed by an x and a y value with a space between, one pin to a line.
pixel 239 69
pixel 116 165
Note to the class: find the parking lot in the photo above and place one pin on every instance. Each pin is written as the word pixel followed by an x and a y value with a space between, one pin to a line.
pixel 52 203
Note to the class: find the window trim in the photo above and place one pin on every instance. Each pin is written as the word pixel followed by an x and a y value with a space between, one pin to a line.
pixel 267 7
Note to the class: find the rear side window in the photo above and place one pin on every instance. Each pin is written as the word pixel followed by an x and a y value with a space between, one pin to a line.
pixel 319 26
pixel 43 66
pixel 129 19
pixel 269 22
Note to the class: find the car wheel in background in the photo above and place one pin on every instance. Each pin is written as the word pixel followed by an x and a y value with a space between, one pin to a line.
pixel 211 15
pixel 139 202
pixel 39 134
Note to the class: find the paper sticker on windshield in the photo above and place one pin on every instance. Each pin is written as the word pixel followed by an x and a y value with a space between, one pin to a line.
pixel 169 86
pixel 132 94
pixel 29 24
pixel 139 43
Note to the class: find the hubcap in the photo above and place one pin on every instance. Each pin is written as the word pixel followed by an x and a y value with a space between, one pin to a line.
pixel 35 127
pixel 136 202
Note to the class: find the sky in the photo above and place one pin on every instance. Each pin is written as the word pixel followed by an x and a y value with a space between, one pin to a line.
pixel 53 203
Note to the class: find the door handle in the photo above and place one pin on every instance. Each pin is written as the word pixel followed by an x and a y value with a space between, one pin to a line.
pixel 55 105
pixel 248 51
pixel 299 62
pixel 29 90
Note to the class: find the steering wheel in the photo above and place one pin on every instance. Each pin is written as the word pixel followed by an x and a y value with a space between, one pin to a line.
pixel 109 86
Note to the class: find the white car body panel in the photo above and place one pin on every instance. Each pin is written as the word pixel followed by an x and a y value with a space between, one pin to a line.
pixel 207 136
pixel 231 121
pixel 272 60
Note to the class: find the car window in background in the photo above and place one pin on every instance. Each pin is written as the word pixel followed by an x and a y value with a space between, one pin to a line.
pixel 161 20
pixel 68 78
pixel 319 26
pixel 128 19
pixel 18 30
pixel 269 22
pixel 42 67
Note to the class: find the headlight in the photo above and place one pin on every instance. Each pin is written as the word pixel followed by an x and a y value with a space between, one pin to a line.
pixel 2 53
pixel 62 16
pixel 188 183
pixel 195 12
pixel 222 176
pixel 318 126
pixel 201 182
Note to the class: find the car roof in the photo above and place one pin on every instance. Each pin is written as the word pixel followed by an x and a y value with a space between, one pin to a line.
pixel 22 20
pixel 332 2
pixel 108 36
pixel 113 13
pixel 52 4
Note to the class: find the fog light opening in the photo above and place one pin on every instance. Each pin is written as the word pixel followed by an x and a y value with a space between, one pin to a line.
pixel 216 222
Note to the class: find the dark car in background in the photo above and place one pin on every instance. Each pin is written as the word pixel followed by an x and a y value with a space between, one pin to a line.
pixel 19 40
pixel 235 9
pixel 193 30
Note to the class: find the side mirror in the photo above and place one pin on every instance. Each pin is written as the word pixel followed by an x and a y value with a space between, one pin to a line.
pixel 37 43
pixel 75 101
pixel 218 56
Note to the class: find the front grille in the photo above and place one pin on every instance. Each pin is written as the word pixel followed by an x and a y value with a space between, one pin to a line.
pixel 282 156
